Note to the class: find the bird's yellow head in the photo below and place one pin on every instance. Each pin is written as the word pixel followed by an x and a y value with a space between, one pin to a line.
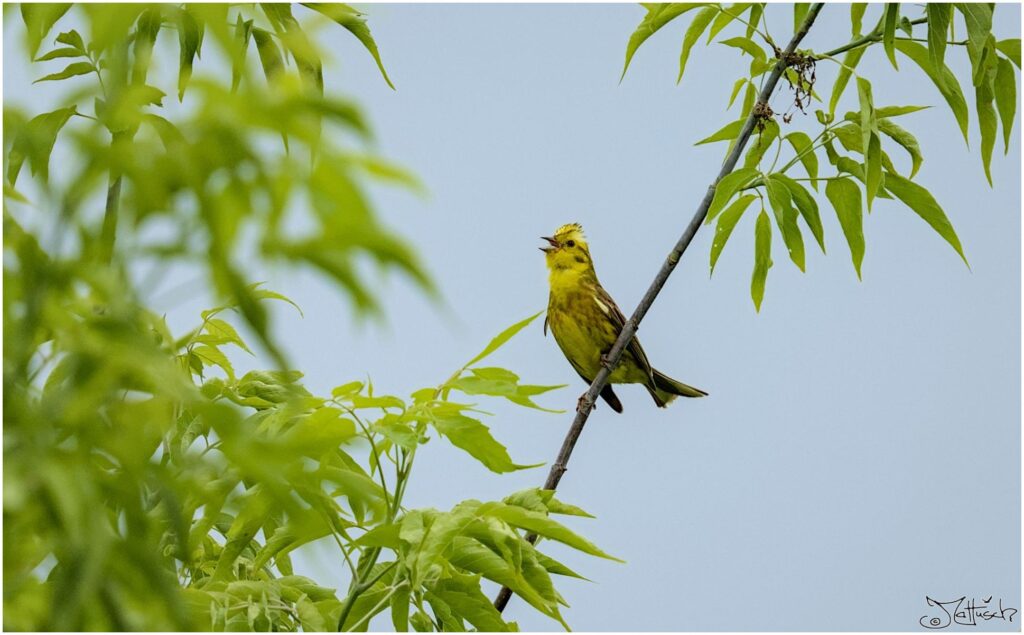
pixel 567 250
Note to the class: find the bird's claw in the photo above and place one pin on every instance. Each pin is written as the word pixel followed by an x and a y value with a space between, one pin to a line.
pixel 607 363
pixel 580 403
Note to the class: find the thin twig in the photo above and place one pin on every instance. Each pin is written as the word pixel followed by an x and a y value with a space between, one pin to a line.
pixel 629 329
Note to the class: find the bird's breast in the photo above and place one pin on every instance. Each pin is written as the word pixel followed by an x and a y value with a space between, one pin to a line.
pixel 581 328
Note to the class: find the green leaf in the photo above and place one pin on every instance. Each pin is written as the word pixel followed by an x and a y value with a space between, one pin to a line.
pixel 471 555
pixel 1006 99
pixel 747 45
pixel 400 608
pixel 309 616
pixel 463 594
pixel 939 16
pixel 802 146
pixel 270 55
pixel 347 390
pixel 762 258
pixel 658 15
pixel 359 402
pixel 857 10
pixel 267 294
pixel 354 23
pixel 890 111
pixel 726 223
pixel 543 500
pixel 849 166
pixel 474 437
pixel 807 207
pixel 300 530
pixel 749 97
pixel 306 57
pixel 541 525
pixel 740 83
pixel 988 125
pixel 1011 49
pixel 727 133
pixel 212 356
pixel 728 186
pixel 449 621
pixel 943 79
pixel 850 61
pixel 35 142
pixel 556 567
pixel 872 144
pixel 923 203
pixel 845 198
pixel 799 13
pixel 61 52
pixel 243 33
pixel 890 18
pixel 725 17
pixel 190 38
pixel 39 18
pixel 905 139
pixel 556 506
pixel 906 26
pixel 756 13
pixel 321 431
pixel 72 39
pixel 380 536
pixel 693 33
pixel 147 28
pixel 978 18
pixel 761 143
pixel 503 337
pixel 78 68
pixel 785 217
pixel 254 513
pixel 225 333
pixel 169 134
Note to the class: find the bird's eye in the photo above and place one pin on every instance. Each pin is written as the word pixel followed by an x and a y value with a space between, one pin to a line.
pixel 571 243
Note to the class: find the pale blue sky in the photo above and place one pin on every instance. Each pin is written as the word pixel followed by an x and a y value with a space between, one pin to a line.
pixel 860 448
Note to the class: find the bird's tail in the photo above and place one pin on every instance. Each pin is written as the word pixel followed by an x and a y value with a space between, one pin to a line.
pixel 666 389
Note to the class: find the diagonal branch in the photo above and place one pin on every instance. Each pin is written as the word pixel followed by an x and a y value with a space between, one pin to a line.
pixel 629 330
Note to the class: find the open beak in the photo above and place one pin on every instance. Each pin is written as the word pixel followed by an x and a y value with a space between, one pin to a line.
pixel 554 244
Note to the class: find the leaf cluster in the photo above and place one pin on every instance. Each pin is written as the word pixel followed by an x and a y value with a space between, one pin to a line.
pixel 855 145
pixel 150 483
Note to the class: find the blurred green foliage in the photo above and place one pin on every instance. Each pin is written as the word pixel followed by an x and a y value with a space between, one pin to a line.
pixel 147 484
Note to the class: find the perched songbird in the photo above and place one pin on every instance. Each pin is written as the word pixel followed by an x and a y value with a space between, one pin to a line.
pixel 586 322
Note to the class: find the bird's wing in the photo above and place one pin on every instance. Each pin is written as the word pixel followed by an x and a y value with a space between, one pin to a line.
pixel 610 309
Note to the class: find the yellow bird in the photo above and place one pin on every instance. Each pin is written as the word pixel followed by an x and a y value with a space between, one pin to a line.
pixel 586 322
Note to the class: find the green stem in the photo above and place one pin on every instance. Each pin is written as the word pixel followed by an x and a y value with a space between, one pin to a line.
pixel 810 150
pixel 830 58
pixel 108 234
pixel 373 449
pixel 359 590
pixel 870 38
pixel 778 152
pixel 360 584
pixel 921 39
